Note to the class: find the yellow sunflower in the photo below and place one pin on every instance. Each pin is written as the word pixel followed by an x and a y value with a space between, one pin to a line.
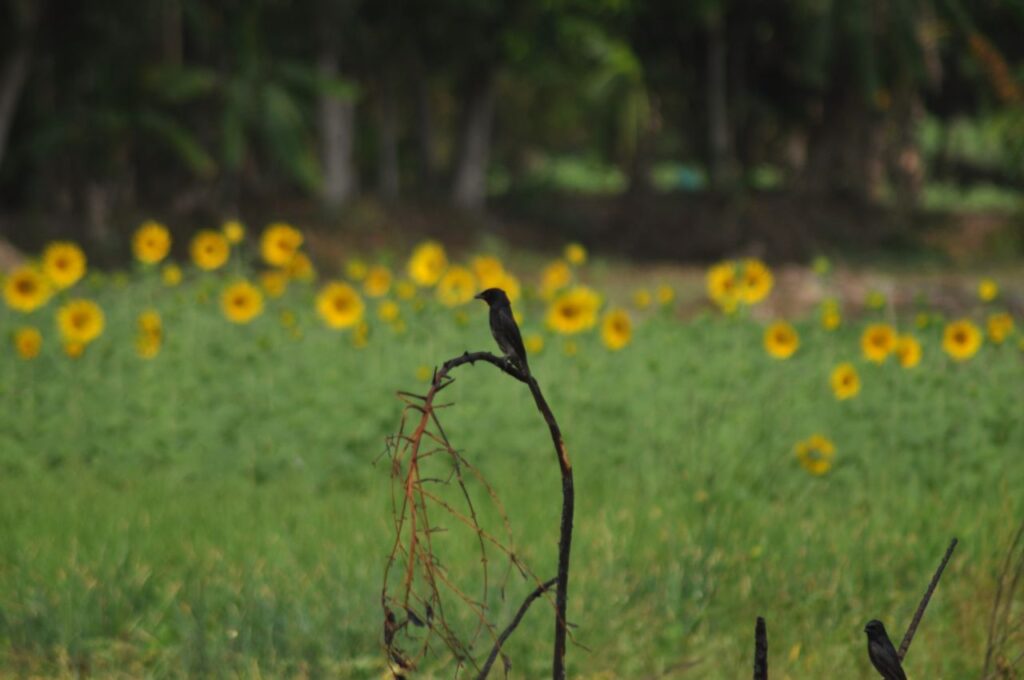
pixel 999 327
pixel 361 335
pixel 844 381
pixel 534 343
pixel 388 311
pixel 427 264
pixel 63 264
pixel 241 302
pixel 150 334
pixel 339 305
pixel 377 282
pixel 830 316
pixel 922 320
pixel 554 278
pixel 405 290
pixel 300 268
pixel 781 340
pixel 575 254
pixel 641 298
pixel 875 299
pixel 574 310
pixel 723 286
pixel 74 349
pixel 961 339
pixel 616 329
pixel 279 243
pixel 210 250
pixel 274 282
pixel 356 269
pixel 150 323
pixel 233 231
pixel 815 454
pixel 878 341
pixel 151 242
pixel 489 271
pixel 28 341
pixel 80 321
pixel 756 283
pixel 26 289
pixel 456 287
pixel 171 275
pixel 988 290
pixel 665 294
pixel 908 351
pixel 148 346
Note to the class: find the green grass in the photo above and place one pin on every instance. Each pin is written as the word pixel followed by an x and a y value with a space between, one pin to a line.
pixel 218 510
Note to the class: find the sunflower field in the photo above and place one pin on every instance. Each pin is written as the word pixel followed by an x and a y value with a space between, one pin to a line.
pixel 191 475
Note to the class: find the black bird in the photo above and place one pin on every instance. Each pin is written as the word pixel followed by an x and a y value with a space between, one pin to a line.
pixel 883 655
pixel 504 328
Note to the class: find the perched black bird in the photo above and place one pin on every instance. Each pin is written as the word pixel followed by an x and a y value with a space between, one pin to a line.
pixel 883 655
pixel 504 328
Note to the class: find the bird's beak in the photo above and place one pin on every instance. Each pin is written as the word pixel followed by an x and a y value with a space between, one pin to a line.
pixel 478 296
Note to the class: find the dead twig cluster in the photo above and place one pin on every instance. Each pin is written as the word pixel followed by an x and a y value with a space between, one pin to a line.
pixel 1006 622
pixel 418 586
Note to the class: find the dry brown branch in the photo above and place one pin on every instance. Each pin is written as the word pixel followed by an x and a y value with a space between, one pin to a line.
pixel 416 584
pixel 909 637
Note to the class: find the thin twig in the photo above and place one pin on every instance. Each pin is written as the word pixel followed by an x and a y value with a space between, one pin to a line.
pixel 496 649
pixel 905 645
pixel 760 650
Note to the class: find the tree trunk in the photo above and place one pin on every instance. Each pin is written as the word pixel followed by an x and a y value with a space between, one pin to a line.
pixel 387 144
pixel 337 135
pixel 425 135
pixel 904 166
pixel 16 68
pixel 469 189
pixel 721 166
pixel 845 149
pixel 171 32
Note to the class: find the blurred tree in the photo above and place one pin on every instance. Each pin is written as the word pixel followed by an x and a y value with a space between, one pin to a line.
pixel 336 102
pixel 195 105
pixel 21 19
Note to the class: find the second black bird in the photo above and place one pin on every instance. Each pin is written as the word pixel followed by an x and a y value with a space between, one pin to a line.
pixel 883 655
pixel 504 328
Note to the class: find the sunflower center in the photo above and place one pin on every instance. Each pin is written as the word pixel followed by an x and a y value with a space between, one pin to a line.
pixel 25 286
pixel 960 338
pixel 79 320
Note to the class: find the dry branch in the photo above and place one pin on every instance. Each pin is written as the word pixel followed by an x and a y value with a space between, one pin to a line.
pixel 1000 626
pixel 414 528
pixel 908 638
pixel 496 649
pixel 760 650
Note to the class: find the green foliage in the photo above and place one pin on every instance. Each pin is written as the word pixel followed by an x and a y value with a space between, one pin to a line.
pixel 218 510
